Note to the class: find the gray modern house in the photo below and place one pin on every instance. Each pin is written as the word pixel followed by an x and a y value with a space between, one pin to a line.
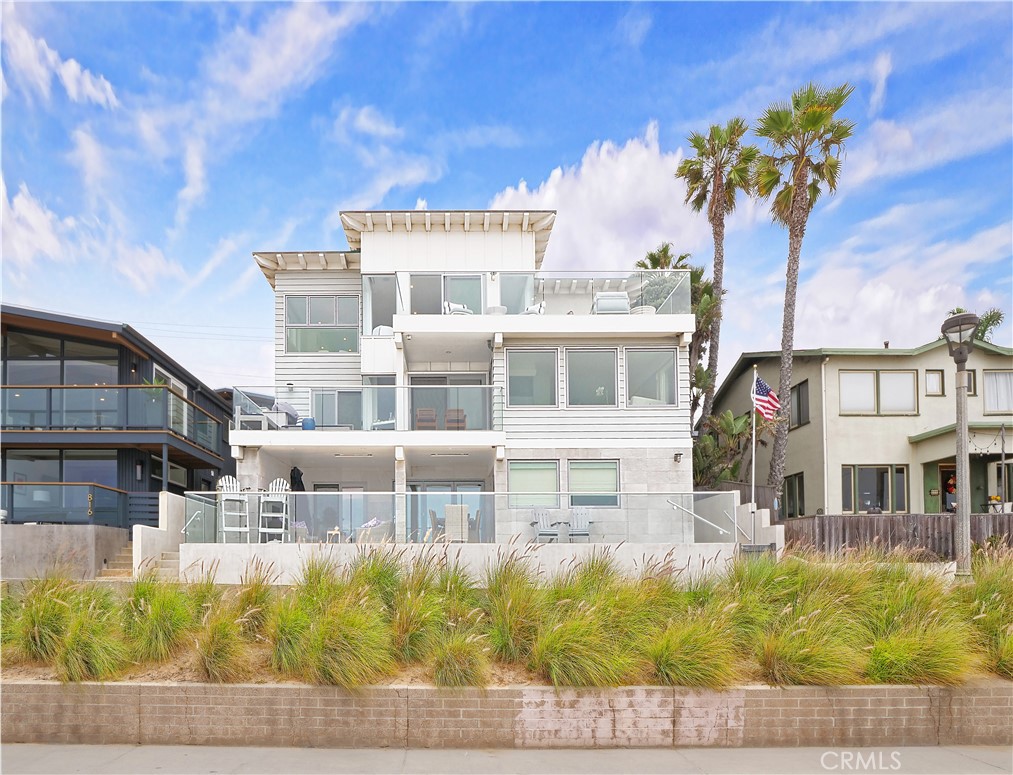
pixel 97 421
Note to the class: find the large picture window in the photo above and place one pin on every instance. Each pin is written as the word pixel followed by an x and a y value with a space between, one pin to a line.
pixel 591 377
pixel 998 387
pixel 878 392
pixel 321 324
pixel 594 483
pixel 533 483
pixel 531 377
pixel 874 489
pixel 651 378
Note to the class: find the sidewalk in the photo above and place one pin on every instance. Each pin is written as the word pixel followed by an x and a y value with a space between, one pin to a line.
pixel 137 760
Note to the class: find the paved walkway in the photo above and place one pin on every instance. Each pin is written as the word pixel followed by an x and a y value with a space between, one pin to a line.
pixel 161 759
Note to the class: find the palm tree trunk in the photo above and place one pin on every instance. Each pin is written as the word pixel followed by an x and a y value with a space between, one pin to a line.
pixel 718 230
pixel 796 231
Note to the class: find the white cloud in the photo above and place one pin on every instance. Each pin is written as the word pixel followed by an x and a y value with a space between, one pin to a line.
pixel 615 206
pixel 389 170
pixel 421 204
pixel 33 64
pixel 31 231
pixel 634 26
pixel 369 121
pixel 145 267
pixel 881 70
pixel 89 157
pixel 225 250
pixel 196 181
pixel 967 125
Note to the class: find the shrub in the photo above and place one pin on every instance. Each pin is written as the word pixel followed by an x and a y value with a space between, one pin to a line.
pixel 516 607
pixel 934 651
pixel 697 651
pixel 459 597
pixel 253 602
pixel 203 593
pixel 10 611
pixel 219 651
pixel 377 570
pixel 416 619
pixel 349 645
pixel 320 583
pixel 461 658
pixel 156 617
pixel 286 631
pixel 42 620
pixel 989 601
pixel 92 647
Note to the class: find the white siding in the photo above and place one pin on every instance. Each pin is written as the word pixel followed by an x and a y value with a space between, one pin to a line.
pixel 617 422
pixel 440 251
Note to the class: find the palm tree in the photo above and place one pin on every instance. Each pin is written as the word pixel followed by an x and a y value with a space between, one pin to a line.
pixel 662 258
pixel 722 167
pixel 807 139
pixel 988 321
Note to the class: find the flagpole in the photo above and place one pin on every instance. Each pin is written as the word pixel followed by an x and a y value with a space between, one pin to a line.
pixel 752 462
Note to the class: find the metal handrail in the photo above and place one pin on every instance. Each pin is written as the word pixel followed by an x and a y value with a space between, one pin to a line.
pixel 697 516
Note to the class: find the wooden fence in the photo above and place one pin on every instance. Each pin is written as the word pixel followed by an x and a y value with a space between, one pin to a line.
pixel 930 532
pixel 764 494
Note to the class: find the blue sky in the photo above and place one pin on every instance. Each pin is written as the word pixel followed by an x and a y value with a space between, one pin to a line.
pixel 150 148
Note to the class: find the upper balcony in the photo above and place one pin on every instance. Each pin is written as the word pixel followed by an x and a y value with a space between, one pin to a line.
pixel 107 408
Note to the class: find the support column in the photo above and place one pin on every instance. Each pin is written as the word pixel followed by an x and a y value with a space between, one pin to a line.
pixel 165 468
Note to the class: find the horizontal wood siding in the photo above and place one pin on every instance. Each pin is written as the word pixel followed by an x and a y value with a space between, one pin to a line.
pixel 619 422
pixel 930 532
pixel 314 370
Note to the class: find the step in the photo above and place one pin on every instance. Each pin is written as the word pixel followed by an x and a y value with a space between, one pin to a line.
pixel 120 565
pixel 108 573
pixel 170 556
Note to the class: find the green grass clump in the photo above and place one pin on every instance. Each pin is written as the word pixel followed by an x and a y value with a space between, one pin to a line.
pixel 459 596
pixel 286 631
pixel 157 616
pixel 320 583
pixel 378 571
pixel 219 650
pixel 42 621
pixel 92 647
pixel 696 651
pixel 10 611
pixel 515 606
pixel 256 593
pixel 934 651
pixel 416 613
pixel 461 658
pixel 349 645
pixel 203 593
pixel 989 602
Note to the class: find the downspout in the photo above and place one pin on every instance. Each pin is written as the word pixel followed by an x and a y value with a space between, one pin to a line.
pixel 826 461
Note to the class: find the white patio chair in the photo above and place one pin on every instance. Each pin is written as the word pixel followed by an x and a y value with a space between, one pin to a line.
pixel 274 519
pixel 580 522
pixel 544 525
pixel 535 309
pixel 233 511
pixel 452 308
pixel 611 303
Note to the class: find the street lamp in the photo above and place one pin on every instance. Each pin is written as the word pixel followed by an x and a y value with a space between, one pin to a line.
pixel 959 332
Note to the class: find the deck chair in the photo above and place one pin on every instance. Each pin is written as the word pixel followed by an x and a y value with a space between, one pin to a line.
pixel 456 420
pixel 580 522
pixel 544 526
pixel 233 511
pixel 273 524
pixel 611 303
pixel 437 530
pixel 450 308
pixel 425 419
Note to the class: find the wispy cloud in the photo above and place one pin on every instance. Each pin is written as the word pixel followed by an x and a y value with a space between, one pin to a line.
pixel 33 65
pixel 881 70
pixel 634 26
pixel 90 159
pixel 368 121
pixel 31 231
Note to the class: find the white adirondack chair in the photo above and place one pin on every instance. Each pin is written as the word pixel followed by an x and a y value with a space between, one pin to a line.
pixel 274 508
pixel 233 511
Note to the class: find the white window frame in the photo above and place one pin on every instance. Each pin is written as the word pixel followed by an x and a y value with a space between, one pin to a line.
pixel 602 494
pixel 985 392
pixel 675 366
pixel 518 501
pixel 354 327
pixel 615 376
pixel 555 374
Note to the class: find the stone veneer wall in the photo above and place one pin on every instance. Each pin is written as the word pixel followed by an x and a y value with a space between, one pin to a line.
pixel 508 717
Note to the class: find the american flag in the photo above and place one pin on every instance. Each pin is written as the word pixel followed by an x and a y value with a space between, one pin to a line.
pixel 764 399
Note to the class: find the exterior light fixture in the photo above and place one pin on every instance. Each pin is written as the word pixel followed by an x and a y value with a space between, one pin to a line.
pixel 959 331
pixel 139 471
pixel 677 457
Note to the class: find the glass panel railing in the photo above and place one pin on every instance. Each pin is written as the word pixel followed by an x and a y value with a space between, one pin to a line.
pixel 25 408
pixel 436 514
pixel 147 407
pixel 370 408
pixel 65 504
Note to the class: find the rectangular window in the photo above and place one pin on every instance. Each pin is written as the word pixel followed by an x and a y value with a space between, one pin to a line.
pixel 321 324
pixel 934 382
pixel 799 414
pixel 466 290
pixel 338 408
pixel 591 377
pixel 594 483
pixel 794 495
pixel 972 382
pixel 878 392
pixel 998 386
pixel 378 305
pixel 533 483
pixel 531 377
pixel 651 378
pixel 874 489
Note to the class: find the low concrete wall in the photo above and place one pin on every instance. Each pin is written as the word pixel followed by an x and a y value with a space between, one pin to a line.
pixel 150 542
pixel 79 551
pixel 287 559
pixel 509 717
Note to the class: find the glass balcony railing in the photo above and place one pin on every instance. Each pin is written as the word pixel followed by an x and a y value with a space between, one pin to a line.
pixel 370 408
pixel 661 292
pixel 63 503
pixel 462 514
pixel 106 408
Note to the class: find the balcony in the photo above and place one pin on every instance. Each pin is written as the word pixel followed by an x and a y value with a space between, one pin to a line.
pixel 107 408
pixel 370 408
pixel 63 503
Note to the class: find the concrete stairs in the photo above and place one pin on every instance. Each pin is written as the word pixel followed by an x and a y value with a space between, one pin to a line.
pixel 168 566
pixel 122 565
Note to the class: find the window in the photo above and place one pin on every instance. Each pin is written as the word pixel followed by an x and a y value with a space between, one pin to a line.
pixel 998 387
pixel 533 483
pixel 44 360
pixel 799 413
pixel 338 408
pixel 378 305
pixel 464 289
pixel 177 474
pixel 874 489
pixel 531 377
pixel 794 495
pixel 328 324
pixel 591 377
pixel 878 392
pixel 972 382
pixel 379 402
pixel 650 378
pixel 594 483
pixel 934 382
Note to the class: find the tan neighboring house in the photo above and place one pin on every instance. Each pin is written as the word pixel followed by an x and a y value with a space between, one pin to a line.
pixel 874 430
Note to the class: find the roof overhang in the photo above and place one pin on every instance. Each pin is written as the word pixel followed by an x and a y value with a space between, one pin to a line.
pixel 537 222
pixel 272 261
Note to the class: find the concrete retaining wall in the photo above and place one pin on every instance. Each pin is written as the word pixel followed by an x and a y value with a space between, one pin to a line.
pixel 521 717
pixel 79 551
pixel 287 559
pixel 150 542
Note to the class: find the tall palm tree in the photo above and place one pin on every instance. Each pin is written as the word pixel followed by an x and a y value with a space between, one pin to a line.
pixel 807 139
pixel 988 321
pixel 722 167
pixel 662 258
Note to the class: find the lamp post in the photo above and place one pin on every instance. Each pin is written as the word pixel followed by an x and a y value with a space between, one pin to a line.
pixel 959 332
